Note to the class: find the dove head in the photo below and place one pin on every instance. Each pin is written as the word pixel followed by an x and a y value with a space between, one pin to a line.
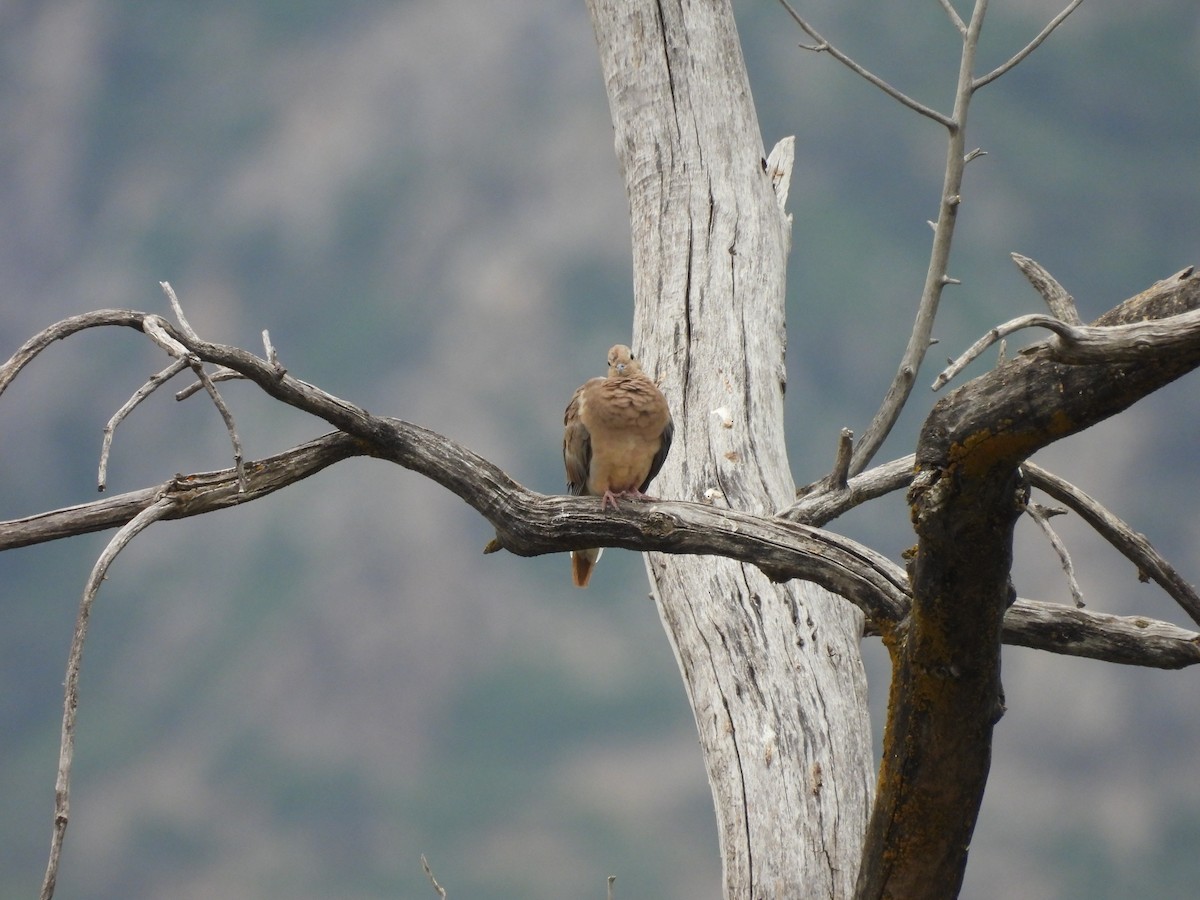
pixel 621 363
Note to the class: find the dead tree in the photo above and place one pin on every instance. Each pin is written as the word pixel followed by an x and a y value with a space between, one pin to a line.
pixel 765 608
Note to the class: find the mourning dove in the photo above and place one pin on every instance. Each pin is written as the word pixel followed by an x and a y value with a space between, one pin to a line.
pixel 617 431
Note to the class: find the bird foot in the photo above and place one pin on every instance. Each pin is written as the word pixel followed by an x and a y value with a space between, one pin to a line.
pixel 610 497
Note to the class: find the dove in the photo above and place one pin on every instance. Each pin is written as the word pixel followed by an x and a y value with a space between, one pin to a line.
pixel 616 434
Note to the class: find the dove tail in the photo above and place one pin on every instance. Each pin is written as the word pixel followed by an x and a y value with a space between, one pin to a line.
pixel 582 562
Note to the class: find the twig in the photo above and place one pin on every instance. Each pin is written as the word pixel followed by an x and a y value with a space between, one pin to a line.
pixel 1150 564
pixel 612 879
pixel 429 874
pixel 195 387
pixel 227 417
pixel 184 324
pixel 823 46
pixel 1028 48
pixel 154 326
pixel 1062 304
pixel 836 479
pixel 936 279
pixel 273 356
pixel 973 352
pixel 141 394
pixel 62 785
pixel 955 18
pixel 817 505
pixel 1041 515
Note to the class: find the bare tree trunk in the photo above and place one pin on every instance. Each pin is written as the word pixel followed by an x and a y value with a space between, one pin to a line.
pixel 773 672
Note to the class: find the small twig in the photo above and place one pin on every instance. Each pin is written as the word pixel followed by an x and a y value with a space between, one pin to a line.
pixel 1061 303
pixel 837 477
pixel 227 416
pixel 823 46
pixel 1032 320
pixel 273 356
pixel 154 327
pixel 817 505
pixel 429 874
pixel 195 387
pixel 184 325
pixel 1133 546
pixel 1041 515
pixel 141 394
pixel 62 785
pixel 611 881
pixel 1027 49
pixel 955 18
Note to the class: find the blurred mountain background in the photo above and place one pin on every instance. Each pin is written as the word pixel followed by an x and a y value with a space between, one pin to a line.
pixel 420 201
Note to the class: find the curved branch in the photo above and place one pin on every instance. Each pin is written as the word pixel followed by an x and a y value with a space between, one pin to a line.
pixel 151 385
pixel 1150 563
pixel 529 523
pixel 62 786
pixel 1082 344
pixel 29 351
pixel 1061 303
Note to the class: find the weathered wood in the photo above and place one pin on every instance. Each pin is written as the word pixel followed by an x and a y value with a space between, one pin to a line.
pixel 966 495
pixel 773 672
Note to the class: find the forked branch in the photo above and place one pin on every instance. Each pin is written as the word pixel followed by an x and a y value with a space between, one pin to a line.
pixel 937 274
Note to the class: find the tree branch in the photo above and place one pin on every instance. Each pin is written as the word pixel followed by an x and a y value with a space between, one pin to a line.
pixel 1126 640
pixel 151 385
pixel 946 694
pixel 529 523
pixel 1150 564
pixel 937 273
pixel 196 494
pixel 823 46
pixel 1062 305
pixel 1028 48
pixel 1041 515
pixel 158 509
pixel 1083 344
pixel 955 18
pixel 819 503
